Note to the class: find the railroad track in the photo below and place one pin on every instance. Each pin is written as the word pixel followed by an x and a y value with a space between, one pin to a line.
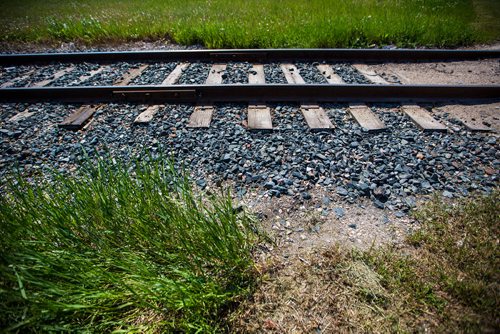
pixel 203 77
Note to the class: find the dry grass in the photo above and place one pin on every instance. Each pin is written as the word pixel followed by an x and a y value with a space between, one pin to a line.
pixel 445 279
pixel 321 292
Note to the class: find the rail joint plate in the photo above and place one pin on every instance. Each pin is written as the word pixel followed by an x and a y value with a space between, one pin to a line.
pixel 148 95
pixel 232 56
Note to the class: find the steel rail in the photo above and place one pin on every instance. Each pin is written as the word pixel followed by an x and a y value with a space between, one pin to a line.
pixel 255 55
pixel 247 93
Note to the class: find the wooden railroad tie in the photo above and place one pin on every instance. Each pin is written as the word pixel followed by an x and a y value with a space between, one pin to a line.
pixel 259 115
pixel 370 74
pixel 130 75
pixel 422 118
pixel 77 120
pixel 202 114
pixel 366 118
pixel 54 77
pixel 314 115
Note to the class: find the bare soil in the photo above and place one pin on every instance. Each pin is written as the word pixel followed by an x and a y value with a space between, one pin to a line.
pixel 479 114
pixel 296 225
pixel 26 47
pixel 463 72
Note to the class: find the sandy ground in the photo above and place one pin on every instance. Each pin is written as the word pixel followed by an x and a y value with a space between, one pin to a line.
pixel 26 47
pixel 464 72
pixel 479 115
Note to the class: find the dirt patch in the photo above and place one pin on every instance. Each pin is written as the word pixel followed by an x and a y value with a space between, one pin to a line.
pixel 298 225
pixel 480 114
pixel 436 281
pixel 464 72
pixel 492 46
pixel 26 47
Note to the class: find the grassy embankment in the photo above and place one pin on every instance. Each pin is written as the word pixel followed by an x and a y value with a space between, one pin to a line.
pixel 255 23
pixel 119 249
pixel 445 279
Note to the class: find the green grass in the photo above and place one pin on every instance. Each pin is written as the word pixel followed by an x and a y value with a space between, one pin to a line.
pixel 254 23
pixel 120 248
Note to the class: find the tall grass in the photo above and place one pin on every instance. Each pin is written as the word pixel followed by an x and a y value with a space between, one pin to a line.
pixel 120 248
pixel 252 23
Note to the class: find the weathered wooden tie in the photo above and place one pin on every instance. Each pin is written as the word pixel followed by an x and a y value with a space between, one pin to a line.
pixel 202 114
pixel 366 118
pixel 130 75
pixel 54 77
pixel 360 112
pixel 370 74
pixel 174 76
pixel 89 75
pixel 77 120
pixel 314 115
pixel 256 75
pixel 474 125
pixel 215 74
pixel 292 74
pixel 12 82
pixel 330 75
pixel 471 116
pixel 21 116
pixel 259 115
pixel 147 115
pixel 422 118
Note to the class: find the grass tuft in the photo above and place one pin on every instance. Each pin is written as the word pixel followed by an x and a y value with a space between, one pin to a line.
pixel 120 248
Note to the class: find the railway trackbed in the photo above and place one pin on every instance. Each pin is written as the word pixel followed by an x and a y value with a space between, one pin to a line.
pixel 284 121
pixel 236 76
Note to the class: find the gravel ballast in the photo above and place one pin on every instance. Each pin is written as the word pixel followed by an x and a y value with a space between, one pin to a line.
pixel 154 74
pixel 195 74
pixel 391 167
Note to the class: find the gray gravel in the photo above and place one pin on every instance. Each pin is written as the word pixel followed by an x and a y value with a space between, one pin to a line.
pixel 274 74
pixel 108 75
pixel 12 72
pixel 41 73
pixel 154 74
pixel 72 78
pixel 310 73
pixel 350 75
pixel 236 73
pixel 391 168
pixel 195 74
